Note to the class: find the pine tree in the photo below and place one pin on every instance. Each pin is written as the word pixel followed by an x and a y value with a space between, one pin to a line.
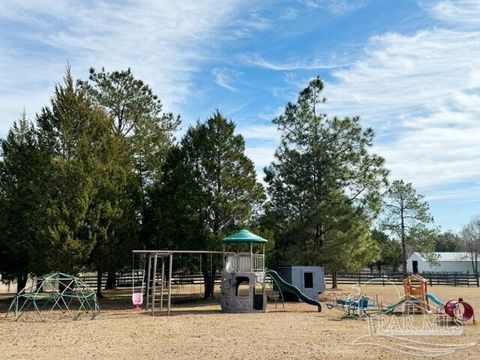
pixel 323 179
pixel 136 114
pixel 209 189
pixel 407 217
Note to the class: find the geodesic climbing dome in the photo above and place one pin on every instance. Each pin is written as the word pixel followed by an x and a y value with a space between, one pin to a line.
pixel 56 291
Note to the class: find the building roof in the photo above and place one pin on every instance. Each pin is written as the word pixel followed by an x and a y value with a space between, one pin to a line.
pixel 448 256
pixel 244 237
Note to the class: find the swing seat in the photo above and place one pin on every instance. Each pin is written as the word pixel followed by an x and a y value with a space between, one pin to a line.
pixel 137 300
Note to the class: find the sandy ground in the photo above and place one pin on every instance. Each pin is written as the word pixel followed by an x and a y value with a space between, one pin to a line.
pixel 297 331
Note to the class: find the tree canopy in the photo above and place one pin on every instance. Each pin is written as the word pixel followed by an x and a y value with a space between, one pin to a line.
pixel 99 172
pixel 407 217
pixel 324 183
pixel 209 188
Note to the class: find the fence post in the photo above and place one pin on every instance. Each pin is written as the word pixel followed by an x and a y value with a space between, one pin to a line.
pixel 383 279
pixel 455 279
pixel 430 278
pixel 359 278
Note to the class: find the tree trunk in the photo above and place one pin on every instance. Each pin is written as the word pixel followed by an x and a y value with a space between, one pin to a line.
pixel 21 281
pixel 99 284
pixel 474 257
pixel 320 236
pixel 209 281
pixel 208 278
pixel 111 280
pixel 334 280
pixel 404 245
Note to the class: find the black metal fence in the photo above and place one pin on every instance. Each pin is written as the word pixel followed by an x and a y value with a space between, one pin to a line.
pixel 374 278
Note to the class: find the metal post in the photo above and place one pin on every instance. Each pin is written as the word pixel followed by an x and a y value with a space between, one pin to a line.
pixel 223 258
pixel 154 283
pixel 170 275
pixel 149 262
pixel 133 272
pixel 264 298
pixel 263 252
pixel 251 257
pixel 163 280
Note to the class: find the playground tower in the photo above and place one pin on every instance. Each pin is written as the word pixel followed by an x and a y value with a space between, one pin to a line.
pixel 416 299
pixel 243 276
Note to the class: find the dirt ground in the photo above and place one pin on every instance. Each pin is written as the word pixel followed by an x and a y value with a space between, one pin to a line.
pixel 297 331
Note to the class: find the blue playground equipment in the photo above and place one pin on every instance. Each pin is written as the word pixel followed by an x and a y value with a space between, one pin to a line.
pixel 356 306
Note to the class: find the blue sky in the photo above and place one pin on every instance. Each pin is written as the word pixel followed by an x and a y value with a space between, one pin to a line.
pixel 410 69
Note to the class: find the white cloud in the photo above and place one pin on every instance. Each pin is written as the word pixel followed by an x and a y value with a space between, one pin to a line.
pixel 338 7
pixel 225 78
pixel 458 12
pixel 262 156
pixel 165 43
pixel 422 93
pixel 260 132
pixel 313 64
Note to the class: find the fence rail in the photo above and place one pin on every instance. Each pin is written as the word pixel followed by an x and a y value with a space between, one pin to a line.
pixel 124 279
pixel 453 279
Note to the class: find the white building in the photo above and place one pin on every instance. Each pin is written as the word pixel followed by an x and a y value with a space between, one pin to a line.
pixel 446 262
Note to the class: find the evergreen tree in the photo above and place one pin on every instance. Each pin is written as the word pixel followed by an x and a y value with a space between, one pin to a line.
pixel 209 189
pixel 407 217
pixel 448 241
pixel 136 114
pixel 390 251
pixel 89 214
pixel 323 179
pixel 23 167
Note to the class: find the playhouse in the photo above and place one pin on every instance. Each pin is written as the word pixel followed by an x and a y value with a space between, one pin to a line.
pixel 310 280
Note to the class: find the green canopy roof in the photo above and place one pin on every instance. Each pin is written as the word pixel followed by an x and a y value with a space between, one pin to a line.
pixel 244 237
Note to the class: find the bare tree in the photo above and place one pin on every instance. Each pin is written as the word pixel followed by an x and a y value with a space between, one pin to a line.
pixel 471 235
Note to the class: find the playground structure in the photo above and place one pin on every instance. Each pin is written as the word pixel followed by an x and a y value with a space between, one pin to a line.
pixel 243 277
pixel 281 283
pixel 357 306
pixel 158 277
pixel 310 280
pixel 416 299
pixel 55 291
pixel 416 291
pixel 459 310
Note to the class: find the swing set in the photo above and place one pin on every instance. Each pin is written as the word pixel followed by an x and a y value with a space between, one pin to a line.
pixel 163 282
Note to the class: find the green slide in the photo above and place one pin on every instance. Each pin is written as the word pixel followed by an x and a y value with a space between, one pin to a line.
pixel 285 285
pixel 435 300
pixel 394 306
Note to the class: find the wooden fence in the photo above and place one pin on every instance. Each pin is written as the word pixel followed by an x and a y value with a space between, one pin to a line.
pixel 374 278
pixel 452 279
pixel 125 279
